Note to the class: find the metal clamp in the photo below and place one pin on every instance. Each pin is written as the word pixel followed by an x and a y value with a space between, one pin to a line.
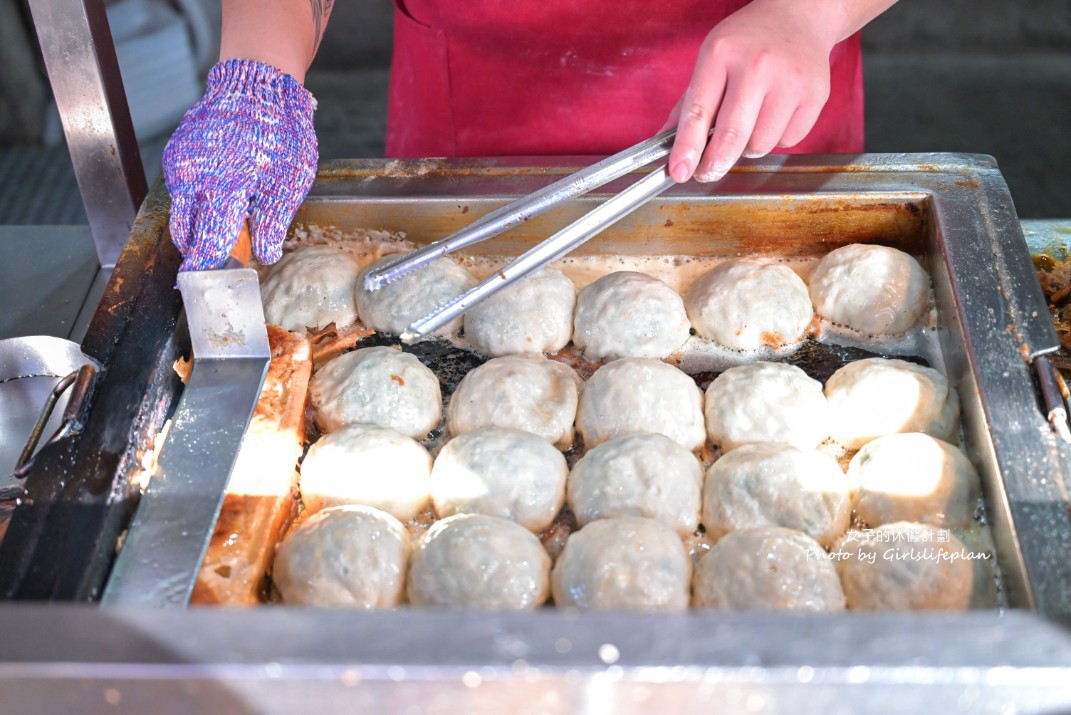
pixel 82 380
pixel 1054 395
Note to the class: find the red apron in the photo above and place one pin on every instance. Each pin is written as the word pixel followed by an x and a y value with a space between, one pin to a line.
pixel 555 77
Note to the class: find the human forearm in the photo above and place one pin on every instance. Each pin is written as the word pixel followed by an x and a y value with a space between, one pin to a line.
pixel 281 33
pixel 846 16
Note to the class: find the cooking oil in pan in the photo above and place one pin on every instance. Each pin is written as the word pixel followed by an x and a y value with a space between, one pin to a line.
pixel 819 357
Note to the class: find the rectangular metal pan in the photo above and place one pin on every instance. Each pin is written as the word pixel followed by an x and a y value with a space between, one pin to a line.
pixel 951 211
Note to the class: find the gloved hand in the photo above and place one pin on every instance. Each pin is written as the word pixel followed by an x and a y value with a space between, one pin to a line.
pixel 248 148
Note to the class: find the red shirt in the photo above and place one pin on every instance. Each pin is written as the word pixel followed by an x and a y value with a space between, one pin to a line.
pixel 556 77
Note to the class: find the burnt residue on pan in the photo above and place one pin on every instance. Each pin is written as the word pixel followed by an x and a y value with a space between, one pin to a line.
pixel 818 360
pixel 821 360
pixel 451 363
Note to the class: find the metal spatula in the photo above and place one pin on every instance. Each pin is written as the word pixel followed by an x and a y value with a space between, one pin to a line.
pixel 159 561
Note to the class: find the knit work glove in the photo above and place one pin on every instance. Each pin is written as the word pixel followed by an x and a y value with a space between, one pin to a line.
pixel 247 149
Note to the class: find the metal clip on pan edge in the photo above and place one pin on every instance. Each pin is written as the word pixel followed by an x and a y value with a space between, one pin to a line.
pixel 1055 401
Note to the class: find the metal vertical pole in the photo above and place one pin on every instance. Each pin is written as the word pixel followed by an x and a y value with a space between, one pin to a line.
pixel 79 55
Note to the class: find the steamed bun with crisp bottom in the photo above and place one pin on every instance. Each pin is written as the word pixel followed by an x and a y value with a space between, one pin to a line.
pixel 627 563
pixel 639 474
pixel 905 567
pixel 641 395
pixel 395 306
pixel 380 386
pixel 479 561
pixel 875 397
pixel 353 556
pixel 525 392
pixel 767 569
pixel 365 464
pixel 913 477
pixel 311 287
pixel 750 303
pixel 533 315
pixel 500 472
pixel 773 484
pixel 766 402
pixel 629 314
pixel 875 290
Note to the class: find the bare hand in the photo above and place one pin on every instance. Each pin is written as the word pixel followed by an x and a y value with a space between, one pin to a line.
pixel 761 79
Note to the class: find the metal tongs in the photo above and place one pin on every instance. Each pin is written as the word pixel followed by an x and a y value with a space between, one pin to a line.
pixel 553 248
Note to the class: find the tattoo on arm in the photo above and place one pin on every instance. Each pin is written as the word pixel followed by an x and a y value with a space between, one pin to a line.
pixel 321 11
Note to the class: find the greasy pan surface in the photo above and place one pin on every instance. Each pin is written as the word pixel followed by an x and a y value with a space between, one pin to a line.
pixel 951 211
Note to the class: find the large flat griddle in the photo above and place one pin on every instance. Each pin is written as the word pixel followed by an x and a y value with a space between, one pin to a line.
pixel 953 212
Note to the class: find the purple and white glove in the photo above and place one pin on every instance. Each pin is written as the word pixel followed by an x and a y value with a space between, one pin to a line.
pixel 248 148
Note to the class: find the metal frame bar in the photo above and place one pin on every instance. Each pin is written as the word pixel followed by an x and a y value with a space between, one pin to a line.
pixel 275 660
pixel 79 56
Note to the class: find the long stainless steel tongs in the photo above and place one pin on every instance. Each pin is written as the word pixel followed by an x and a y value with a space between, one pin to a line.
pixel 553 248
